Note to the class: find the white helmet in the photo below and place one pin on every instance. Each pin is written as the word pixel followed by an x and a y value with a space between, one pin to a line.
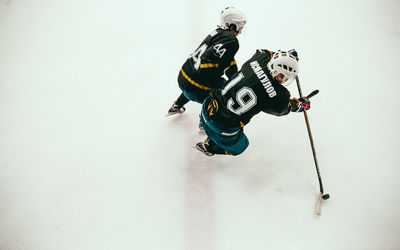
pixel 284 63
pixel 231 15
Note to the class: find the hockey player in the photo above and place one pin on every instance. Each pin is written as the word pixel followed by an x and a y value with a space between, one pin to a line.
pixel 203 70
pixel 258 86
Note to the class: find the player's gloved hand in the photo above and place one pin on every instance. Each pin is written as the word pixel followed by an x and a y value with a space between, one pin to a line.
pixel 299 105
pixel 294 53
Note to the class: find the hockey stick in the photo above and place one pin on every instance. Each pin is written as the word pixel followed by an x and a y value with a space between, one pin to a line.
pixel 321 188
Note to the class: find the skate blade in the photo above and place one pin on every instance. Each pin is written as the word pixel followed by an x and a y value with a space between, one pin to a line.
pixel 169 114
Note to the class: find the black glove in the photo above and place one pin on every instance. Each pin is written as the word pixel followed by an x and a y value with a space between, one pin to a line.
pixel 294 53
pixel 299 105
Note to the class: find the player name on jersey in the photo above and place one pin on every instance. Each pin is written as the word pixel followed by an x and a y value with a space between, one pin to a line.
pixel 263 78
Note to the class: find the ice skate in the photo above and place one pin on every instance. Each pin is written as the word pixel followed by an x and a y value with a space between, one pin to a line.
pixel 202 146
pixel 175 109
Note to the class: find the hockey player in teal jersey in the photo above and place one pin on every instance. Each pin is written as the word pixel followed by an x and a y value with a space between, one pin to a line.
pixel 258 86
pixel 204 68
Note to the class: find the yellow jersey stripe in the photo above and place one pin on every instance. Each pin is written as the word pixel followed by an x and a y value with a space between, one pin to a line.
pixel 193 82
pixel 208 65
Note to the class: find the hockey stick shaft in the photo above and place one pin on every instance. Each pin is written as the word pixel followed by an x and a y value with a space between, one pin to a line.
pixel 321 188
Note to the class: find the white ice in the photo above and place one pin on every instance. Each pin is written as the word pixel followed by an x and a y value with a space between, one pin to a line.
pixel 88 160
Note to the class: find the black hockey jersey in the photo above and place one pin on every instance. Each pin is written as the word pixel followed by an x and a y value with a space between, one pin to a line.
pixel 248 92
pixel 203 69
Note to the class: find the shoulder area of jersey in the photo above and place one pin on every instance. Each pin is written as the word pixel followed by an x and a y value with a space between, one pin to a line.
pixel 223 32
pixel 224 36
pixel 265 51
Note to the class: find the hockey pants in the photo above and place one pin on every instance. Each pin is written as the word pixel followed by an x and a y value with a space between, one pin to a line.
pixel 232 140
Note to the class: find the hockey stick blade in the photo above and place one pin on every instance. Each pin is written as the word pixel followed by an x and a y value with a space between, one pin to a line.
pixel 312 94
pixel 318 205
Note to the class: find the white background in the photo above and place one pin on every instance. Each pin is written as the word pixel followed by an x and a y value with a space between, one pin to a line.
pixel 88 160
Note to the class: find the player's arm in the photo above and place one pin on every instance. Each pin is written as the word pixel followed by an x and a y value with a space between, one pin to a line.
pixel 231 69
pixel 224 53
pixel 226 56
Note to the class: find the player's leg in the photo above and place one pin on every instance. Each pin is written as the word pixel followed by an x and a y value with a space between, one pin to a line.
pixel 177 106
pixel 221 140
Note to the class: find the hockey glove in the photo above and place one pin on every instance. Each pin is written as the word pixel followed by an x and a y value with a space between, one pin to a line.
pixel 294 53
pixel 299 105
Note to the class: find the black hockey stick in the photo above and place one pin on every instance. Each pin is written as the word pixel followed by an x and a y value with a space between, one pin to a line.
pixel 321 188
pixel 312 94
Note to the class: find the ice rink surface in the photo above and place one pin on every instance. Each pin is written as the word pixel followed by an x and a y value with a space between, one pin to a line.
pixel 88 160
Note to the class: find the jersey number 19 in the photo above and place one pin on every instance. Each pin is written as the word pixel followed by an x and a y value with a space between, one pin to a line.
pixel 245 97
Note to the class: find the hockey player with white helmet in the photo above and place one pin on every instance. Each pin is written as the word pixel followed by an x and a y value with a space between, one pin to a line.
pixel 231 16
pixel 284 63
pixel 258 86
pixel 204 68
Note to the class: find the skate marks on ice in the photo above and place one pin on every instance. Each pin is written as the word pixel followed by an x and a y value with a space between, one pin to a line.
pixel 204 177
pixel 198 194
pixel 6 2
